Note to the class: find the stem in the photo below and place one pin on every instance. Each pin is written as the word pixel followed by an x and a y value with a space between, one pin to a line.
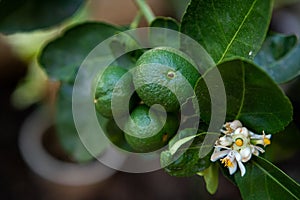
pixel 146 10
pixel 135 23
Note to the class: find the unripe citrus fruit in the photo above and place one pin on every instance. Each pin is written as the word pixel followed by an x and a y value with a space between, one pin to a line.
pixel 108 87
pixel 146 132
pixel 116 135
pixel 164 74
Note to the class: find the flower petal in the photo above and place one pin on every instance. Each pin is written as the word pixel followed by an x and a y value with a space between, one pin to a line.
pixel 242 168
pixel 222 147
pixel 233 168
pixel 257 141
pixel 246 154
pixel 243 131
pixel 259 149
pixel 237 156
pixel 217 154
pixel 259 136
pixel 224 141
pixel 268 136
pixel 254 150
pixel 235 124
pixel 255 136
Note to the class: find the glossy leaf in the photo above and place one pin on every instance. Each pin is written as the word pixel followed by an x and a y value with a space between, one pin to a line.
pixel 263 180
pixel 211 178
pixel 26 15
pixel 225 173
pixel 279 57
pixel 180 142
pixel 62 57
pixel 65 126
pixel 114 133
pixel 252 97
pixel 187 163
pixel 165 22
pixel 164 36
pixel 284 145
pixel 228 28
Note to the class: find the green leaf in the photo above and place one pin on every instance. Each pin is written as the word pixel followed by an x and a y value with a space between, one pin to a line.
pixel 211 178
pixel 226 174
pixel 26 15
pixel 228 28
pixel 279 57
pixel 179 143
pixel 65 126
pixel 62 57
pixel 114 133
pixel 181 138
pixel 252 97
pixel 164 37
pixel 263 180
pixel 165 22
pixel 127 60
pixel 188 162
pixel 284 145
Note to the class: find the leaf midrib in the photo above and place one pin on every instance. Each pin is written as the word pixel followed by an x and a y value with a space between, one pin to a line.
pixel 274 179
pixel 237 32
pixel 243 93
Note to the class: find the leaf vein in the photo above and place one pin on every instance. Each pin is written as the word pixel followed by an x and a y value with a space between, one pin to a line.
pixel 274 179
pixel 215 13
pixel 243 93
pixel 237 32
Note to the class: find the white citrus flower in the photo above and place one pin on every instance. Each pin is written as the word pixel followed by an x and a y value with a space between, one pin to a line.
pixel 231 159
pixel 224 141
pixel 237 146
pixel 231 126
pixel 260 139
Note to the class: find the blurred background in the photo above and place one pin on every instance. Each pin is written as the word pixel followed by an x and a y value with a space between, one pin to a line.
pixel 24 87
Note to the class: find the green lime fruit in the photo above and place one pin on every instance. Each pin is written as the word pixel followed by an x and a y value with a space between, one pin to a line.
pixel 145 132
pixel 116 135
pixel 113 133
pixel 165 76
pixel 112 84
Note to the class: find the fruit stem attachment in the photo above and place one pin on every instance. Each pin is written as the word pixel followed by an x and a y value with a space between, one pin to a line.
pixel 135 23
pixel 146 10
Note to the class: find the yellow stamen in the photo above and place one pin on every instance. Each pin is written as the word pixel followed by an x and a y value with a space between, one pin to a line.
pixel 226 162
pixel 239 142
pixel 95 100
pixel 266 141
pixel 228 128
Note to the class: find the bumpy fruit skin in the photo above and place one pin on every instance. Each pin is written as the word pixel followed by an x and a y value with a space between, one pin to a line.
pixel 144 136
pixel 106 84
pixel 116 135
pixel 162 68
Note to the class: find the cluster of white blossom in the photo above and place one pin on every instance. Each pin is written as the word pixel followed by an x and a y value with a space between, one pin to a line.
pixel 236 146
